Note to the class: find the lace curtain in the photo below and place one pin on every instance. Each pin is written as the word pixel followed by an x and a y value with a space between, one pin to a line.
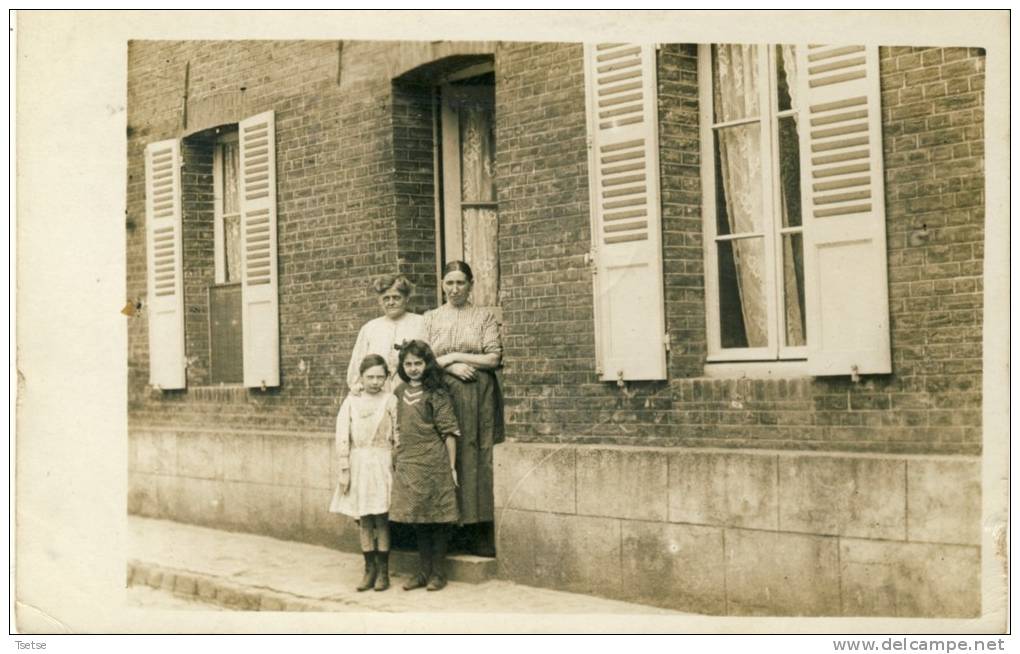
pixel 478 172
pixel 231 213
pixel 736 96
pixel 735 87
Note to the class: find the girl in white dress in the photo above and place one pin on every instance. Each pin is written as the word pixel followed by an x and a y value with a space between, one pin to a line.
pixel 366 433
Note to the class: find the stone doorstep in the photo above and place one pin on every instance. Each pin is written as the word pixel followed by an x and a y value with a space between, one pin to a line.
pixel 225 593
pixel 466 568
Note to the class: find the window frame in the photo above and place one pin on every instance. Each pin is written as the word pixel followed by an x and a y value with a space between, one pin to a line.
pixel 219 229
pixel 771 231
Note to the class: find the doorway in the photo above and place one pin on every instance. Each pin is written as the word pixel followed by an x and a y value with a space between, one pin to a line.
pixel 469 209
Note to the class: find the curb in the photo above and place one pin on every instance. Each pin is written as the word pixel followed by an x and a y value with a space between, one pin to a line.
pixel 228 594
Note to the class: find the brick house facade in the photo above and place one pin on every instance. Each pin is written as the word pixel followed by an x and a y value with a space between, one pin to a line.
pixel 730 489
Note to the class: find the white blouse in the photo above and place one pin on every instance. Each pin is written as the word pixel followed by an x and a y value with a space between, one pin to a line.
pixel 378 336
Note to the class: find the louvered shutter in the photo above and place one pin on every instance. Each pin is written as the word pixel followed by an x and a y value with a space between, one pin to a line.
pixel 623 173
pixel 846 280
pixel 259 296
pixel 164 258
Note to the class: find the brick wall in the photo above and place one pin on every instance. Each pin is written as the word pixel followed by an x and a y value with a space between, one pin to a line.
pixel 356 198
pixel 544 236
pixel 415 197
pixel 933 106
pixel 682 242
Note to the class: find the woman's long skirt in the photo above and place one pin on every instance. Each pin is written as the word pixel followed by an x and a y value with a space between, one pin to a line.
pixel 479 408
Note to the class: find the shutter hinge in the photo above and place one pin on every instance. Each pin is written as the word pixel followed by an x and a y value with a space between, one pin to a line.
pixel 665 340
pixel 588 141
pixel 590 259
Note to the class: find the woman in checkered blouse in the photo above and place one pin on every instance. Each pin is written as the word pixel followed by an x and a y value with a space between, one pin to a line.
pixel 467 345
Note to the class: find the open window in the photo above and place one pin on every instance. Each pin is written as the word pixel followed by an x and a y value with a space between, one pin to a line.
pixel 795 260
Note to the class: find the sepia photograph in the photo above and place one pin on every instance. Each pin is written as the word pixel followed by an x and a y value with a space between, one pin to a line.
pixel 688 329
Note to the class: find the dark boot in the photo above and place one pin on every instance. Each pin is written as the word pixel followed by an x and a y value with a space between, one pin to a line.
pixel 382 563
pixel 423 533
pixel 368 581
pixel 440 541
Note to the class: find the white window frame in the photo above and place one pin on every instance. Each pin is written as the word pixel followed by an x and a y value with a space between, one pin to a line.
pixel 772 231
pixel 219 231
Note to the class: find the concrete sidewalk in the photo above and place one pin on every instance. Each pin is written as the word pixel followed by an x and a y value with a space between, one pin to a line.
pixel 249 572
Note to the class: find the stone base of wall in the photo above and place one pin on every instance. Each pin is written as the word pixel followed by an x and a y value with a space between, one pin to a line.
pixel 720 532
pixel 744 533
pixel 272 483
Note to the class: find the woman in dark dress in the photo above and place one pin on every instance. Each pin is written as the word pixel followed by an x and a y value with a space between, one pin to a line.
pixel 467 345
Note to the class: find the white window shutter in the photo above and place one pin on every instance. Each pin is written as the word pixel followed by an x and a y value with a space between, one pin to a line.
pixel 845 270
pixel 623 173
pixel 259 295
pixel 164 257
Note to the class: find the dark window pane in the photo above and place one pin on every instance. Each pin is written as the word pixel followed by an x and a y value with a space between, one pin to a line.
pixel 789 171
pixel 793 289
pixel 225 334
pixel 743 320
pixel 786 77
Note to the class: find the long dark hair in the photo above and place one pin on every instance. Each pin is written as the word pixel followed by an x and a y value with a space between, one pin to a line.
pixel 432 380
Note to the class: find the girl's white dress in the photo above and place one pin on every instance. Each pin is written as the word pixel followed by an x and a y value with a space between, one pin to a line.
pixel 366 432
pixel 378 336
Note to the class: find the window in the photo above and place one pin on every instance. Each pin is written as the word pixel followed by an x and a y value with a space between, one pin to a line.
pixel 225 330
pixel 794 206
pixel 230 185
pixel 754 233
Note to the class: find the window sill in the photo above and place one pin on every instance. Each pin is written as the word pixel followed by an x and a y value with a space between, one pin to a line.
pixel 793 369
pixel 219 392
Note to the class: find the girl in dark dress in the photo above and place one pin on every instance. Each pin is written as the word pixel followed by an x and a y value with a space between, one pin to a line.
pixel 425 477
